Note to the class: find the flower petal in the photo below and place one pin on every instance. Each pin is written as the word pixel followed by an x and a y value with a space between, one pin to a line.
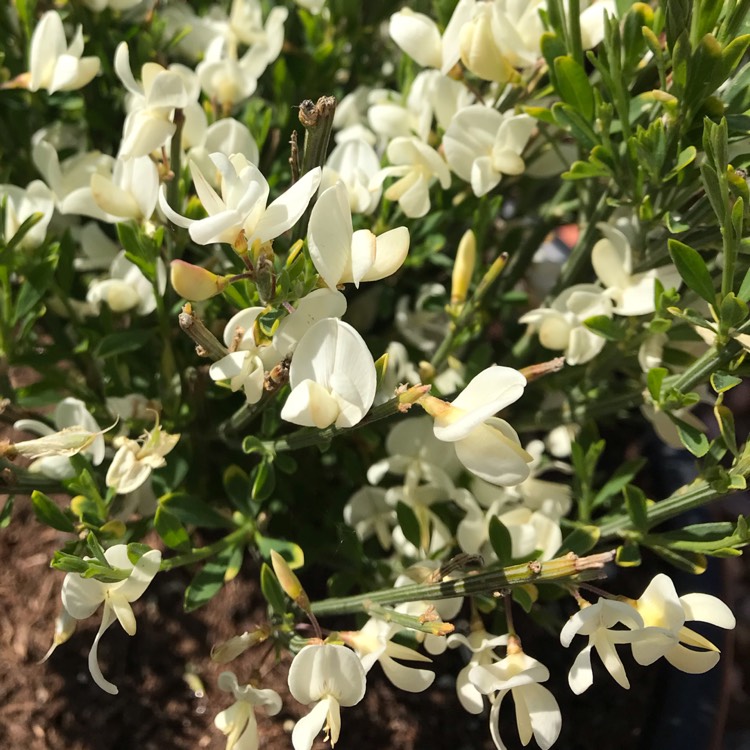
pixel 108 617
pixel 706 608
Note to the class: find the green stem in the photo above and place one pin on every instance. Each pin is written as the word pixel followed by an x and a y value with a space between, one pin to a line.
pixel 242 534
pixel 317 120
pixel 570 568
pixel 175 160
pixel 695 496
pixel 702 368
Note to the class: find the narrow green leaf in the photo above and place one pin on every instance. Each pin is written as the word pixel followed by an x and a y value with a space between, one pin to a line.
pixel 7 512
pixel 691 437
pixel 237 487
pixel 525 596
pixel 693 270
pixel 290 551
pixel 49 513
pixel 628 555
pixel 208 581
pixel 725 420
pixel 272 590
pixel 744 292
pixel 574 86
pixel 654 379
pixel 585 170
pixel 171 530
pixel 685 157
pixel 732 311
pixel 580 540
pixel 722 382
pixel 605 327
pixel 264 481
pixel 235 563
pixel 616 483
pixel 690 562
pixel 96 549
pixel 409 524
pixel 501 541
pixel 122 342
pixel 637 507
pixel 191 510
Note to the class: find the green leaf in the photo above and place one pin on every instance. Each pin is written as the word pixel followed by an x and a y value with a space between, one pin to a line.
pixel 252 444
pixel 171 530
pixel 122 342
pixel 732 311
pixel 96 549
pixel 569 119
pixel 49 513
pixel 725 421
pixel 605 327
pixel 580 540
pixel 264 481
pixel 290 551
pixel 574 86
pixel 637 507
pixel 692 269
pixel 690 562
pixel 272 590
pixel 744 292
pixel 208 581
pixel 7 512
pixel 26 226
pixel 235 563
pixel 691 437
pixel 616 483
pixel 191 510
pixel 35 287
pixel 525 596
pixel 501 541
pixel 409 524
pixel 237 486
pixel 585 170
pixel 628 555
pixel 685 158
pixel 722 382
pixel 654 379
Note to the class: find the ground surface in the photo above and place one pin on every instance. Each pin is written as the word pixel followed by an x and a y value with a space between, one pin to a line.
pixel 55 706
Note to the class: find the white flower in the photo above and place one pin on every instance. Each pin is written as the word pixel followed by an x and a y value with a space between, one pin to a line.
pixel 426 325
pixel 537 712
pixel 416 454
pixel 69 413
pixel 81 597
pixel 21 204
pixel 152 103
pixel 246 364
pixel 135 460
pixel 592 21
pixel 355 163
pixel 561 327
pixel 238 721
pixel 481 145
pixel 329 676
pixel 241 209
pixel 664 615
pixel 529 530
pixel 129 192
pixel 70 180
pixel 482 646
pixel 419 36
pixel 631 293
pixel 226 136
pixel 317 305
pixel 53 65
pixel 597 621
pixel 332 376
pixel 368 512
pixel 373 644
pixel 342 255
pixel 487 446
pixel 127 288
pixel 417 166
pixel 502 36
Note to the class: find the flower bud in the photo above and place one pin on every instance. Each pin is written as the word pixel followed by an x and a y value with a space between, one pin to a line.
pixel 463 268
pixel 66 442
pixel 195 283
pixel 237 645
pixel 289 581
pixel 480 54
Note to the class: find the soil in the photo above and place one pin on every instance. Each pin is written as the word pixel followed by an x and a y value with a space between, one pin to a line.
pixel 168 698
